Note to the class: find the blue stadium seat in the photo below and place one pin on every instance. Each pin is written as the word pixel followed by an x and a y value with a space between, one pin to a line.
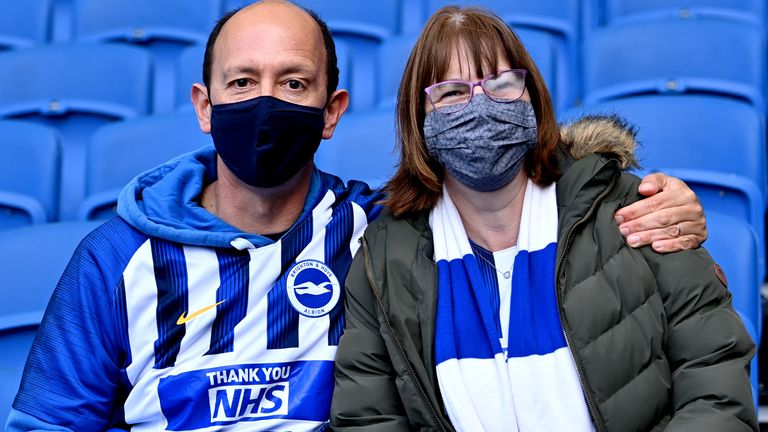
pixel 715 144
pixel 30 158
pixel 393 56
pixel 120 151
pixel 675 56
pixel 619 12
pixel 164 28
pixel 62 21
pixel 362 147
pixel 695 132
pixel 559 18
pixel 31 261
pixel 728 194
pixel 542 47
pixel 733 245
pixel 24 23
pixel 75 89
pixel 189 70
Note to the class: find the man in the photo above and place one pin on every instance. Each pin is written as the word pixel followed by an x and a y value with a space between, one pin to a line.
pixel 214 302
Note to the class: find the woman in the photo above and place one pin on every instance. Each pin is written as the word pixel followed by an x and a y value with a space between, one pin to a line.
pixel 536 316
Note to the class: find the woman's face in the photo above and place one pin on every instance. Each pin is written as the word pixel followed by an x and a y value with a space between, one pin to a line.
pixel 460 68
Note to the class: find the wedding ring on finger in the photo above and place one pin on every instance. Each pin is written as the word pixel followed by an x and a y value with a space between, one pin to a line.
pixel 677 231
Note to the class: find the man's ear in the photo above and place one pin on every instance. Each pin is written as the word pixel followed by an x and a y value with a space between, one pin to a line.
pixel 202 105
pixel 337 104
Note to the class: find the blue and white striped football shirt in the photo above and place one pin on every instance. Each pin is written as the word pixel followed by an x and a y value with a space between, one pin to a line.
pixel 147 333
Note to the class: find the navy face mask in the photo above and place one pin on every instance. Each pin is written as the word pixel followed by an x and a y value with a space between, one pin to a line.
pixel 265 141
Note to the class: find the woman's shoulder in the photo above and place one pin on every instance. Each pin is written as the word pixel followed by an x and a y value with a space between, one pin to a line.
pixel 393 238
pixel 387 224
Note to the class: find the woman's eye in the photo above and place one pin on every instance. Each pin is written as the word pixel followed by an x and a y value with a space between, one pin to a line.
pixel 295 85
pixel 242 82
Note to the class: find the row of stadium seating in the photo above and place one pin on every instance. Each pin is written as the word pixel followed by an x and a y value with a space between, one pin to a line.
pixel 42 21
pixel 552 28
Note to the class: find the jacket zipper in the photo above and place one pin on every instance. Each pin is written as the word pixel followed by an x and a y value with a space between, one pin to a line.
pixel 579 367
pixel 400 347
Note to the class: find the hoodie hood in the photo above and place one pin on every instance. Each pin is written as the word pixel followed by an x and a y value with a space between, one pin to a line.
pixel 164 202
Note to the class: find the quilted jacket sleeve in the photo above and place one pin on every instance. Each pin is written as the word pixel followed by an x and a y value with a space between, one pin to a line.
pixel 365 396
pixel 708 348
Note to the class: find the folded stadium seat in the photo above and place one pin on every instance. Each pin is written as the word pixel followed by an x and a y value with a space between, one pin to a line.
pixel 675 56
pixel 189 70
pixel 733 245
pixel 164 28
pixel 619 12
pixel 74 88
pixel 27 284
pixel 362 26
pixel 392 58
pixel 62 21
pixel 716 144
pixel 30 158
pixel 559 19
pixel 24 23
pixel 362 147
pixel 120 151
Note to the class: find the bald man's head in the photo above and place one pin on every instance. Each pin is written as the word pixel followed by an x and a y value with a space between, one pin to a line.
pixel 331 67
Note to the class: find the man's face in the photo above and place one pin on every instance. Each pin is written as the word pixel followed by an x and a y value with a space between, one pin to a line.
pixel 270 49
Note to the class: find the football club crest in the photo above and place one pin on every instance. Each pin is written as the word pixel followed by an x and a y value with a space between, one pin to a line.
pixel 313 289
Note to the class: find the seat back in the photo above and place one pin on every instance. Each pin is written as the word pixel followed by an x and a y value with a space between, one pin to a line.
pixel 675 56
pixel 25 23
pixel 189 70
pixel 362 148
pixel 714 144
pixel 618 12
pixel 32 260
pixel 695 132
pixel 30 158
pixel 733 245
pixel 15 344
pixel 163 28
pixel 74 89
pixel 392 58
pixel 121 151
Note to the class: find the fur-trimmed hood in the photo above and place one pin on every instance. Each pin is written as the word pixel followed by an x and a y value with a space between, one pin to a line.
pixel 605 134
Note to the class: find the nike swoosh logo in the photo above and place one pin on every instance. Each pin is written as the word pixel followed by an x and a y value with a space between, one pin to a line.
pixel 183 319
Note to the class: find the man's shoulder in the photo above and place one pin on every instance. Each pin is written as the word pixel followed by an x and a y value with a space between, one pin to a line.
pixel 110 244
pixel 354 191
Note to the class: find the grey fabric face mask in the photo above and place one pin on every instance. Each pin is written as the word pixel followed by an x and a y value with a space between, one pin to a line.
pixel 483 145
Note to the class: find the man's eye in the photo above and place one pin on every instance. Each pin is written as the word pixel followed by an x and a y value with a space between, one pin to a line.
pixel 295 85
pixel 242 82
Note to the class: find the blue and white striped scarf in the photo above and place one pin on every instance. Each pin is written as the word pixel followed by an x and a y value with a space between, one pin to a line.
pixel 535 386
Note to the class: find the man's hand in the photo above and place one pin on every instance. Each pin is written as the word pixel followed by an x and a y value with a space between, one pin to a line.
pixel 670 219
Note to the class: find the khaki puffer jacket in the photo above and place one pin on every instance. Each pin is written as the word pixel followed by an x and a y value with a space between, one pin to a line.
pixel 656 342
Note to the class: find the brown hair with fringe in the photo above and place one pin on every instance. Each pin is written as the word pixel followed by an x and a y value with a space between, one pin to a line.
pixel 417 184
